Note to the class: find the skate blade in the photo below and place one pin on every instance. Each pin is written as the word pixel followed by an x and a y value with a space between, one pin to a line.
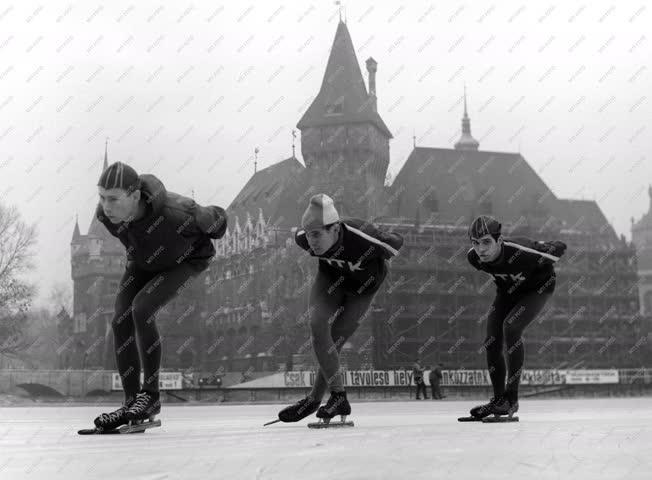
pixel 330 424
pixel 138 426
pixel 499 419
pixel 97 431
pixel 470 418
pixel 327 423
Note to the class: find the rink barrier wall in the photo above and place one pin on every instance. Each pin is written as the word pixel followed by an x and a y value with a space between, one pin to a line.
pixel 79 383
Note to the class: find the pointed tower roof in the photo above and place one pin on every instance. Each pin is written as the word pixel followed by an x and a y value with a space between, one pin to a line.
pixel 343 96
pixel 466 141
pixel 75 233
pixel 106 156
pixel 96 229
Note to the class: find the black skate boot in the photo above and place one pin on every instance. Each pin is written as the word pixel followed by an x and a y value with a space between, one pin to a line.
pixel 112 420
pixel 503 410
pixel 337 404
pixel 145 407
pixel 481 411
pixel 299 410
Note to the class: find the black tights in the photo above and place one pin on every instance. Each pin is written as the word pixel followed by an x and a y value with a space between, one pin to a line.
pixel 507 319
pixel 140 296
pixel 334 316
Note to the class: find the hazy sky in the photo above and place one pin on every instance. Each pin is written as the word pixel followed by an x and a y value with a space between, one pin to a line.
pixel 187 91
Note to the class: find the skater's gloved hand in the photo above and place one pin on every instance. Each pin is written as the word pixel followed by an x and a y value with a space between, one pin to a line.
pixel 559 247
pixel 555 247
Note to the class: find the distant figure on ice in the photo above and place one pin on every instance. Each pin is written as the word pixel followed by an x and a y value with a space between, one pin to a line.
pixel 524 275
pixel 417 375
pixel 435 377
pixel 168 242
pixel 352 257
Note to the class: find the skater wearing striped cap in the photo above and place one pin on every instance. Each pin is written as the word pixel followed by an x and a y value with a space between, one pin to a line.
pixel 524 275
pixel 352 257
pixel 168 243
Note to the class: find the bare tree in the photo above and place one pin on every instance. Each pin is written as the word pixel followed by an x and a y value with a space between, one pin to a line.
pixel 16 242
pixel 60 297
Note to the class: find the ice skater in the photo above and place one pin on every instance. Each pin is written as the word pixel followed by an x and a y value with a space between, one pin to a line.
pixel 524 275
pixel 352 257
pixel 168 243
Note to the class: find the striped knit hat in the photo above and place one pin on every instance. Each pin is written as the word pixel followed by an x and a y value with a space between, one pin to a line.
pixel 485 225
pixel 320 212
pixel 119 175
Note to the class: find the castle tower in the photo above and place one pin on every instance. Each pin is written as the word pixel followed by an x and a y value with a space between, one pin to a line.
pixel 97 264
pixel 344 141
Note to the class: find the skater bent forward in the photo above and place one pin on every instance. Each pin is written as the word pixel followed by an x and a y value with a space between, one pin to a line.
pixel 524 275
pixel 352 257
pixel 168 242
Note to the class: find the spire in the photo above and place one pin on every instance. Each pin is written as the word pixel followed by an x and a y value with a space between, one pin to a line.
pixel 465 114
pixel 466 141
pixel 372 68
pixel 96 229
pixel 106 155
pixel 75 233
pixel 342 97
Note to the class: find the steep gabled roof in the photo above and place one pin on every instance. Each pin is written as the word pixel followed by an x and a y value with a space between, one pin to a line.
pixel 463 180
pixel 343 97
pixel 585 216
pixel 274 190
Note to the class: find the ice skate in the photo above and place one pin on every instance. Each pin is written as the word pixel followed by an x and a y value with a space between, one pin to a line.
pixel 481 411
pixel 337 404
pixel 503 411
pixel 117 422
pixel 142 412
pixel 297 411
pixel 108 422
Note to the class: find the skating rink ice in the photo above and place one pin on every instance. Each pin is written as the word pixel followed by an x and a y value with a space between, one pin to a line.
pixel 569 439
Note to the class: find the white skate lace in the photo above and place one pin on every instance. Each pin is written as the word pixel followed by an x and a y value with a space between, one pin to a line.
pixel 141 403
pixel 113 416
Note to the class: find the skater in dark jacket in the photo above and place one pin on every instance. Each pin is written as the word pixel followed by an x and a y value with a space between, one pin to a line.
pixel 167 238
pixel 524 274
pixel 352 256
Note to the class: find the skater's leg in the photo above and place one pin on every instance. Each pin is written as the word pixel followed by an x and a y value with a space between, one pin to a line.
pixel 325 305
pixel 494 344
pixel 341 325
pixel 519 317
pixel 124 335
pixel 162 288
pixel 356 309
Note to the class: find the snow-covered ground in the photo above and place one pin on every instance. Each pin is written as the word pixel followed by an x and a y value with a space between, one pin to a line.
pixel 574 439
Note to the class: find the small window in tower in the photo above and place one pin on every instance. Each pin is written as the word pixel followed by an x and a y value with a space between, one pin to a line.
pixel 335 108
pixel 431 203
